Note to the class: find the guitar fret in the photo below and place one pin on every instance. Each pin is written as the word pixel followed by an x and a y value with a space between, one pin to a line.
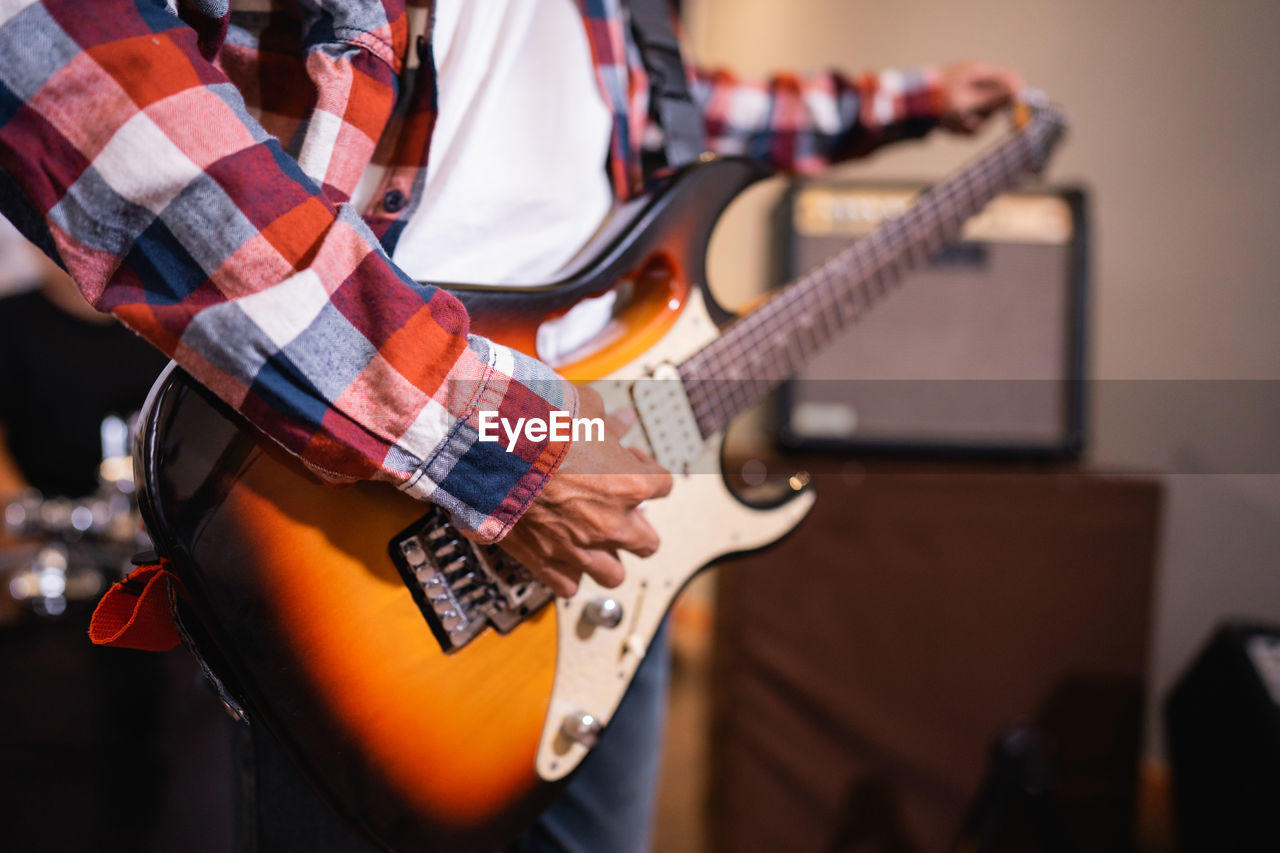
pixel 757 351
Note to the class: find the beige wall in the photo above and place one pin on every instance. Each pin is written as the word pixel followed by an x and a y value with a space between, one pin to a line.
pixel 1175 111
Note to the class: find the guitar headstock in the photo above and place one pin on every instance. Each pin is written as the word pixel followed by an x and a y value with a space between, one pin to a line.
pixel 1042 124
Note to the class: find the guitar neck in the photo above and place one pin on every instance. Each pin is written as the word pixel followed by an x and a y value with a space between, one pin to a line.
pixel 758 351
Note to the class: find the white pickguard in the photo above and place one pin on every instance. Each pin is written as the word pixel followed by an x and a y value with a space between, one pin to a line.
pixel 594 665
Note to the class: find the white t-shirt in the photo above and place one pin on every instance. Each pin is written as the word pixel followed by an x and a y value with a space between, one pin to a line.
pixel 516 181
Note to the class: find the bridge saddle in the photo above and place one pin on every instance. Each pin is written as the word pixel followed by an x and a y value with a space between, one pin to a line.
pixel 463 588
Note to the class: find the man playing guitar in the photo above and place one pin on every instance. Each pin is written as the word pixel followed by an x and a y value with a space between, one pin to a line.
pixel 259 191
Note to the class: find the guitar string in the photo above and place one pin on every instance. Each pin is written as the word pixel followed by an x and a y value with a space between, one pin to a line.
pixel 713 376
pixel 820 279
pixel 884 254
pixel 811 302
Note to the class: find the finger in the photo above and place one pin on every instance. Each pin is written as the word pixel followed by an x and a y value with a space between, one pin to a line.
pixel 620 421
pixel 996 84
pixel 650 465
pixel 660 482
pixel 991 81
pixel 990 107
pixel 603 567
pixel 978 114
pixel 636 534
pixel 653 481
pixel 647 531
pixel 643 455
pixel 996 75
pixel 989 100
pixel 560 577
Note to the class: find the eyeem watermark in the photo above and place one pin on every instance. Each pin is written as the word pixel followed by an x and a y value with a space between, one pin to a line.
pixel 561 427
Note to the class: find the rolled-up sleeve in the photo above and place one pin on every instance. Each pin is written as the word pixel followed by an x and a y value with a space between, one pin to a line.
pixel 131 159
pixel 803 123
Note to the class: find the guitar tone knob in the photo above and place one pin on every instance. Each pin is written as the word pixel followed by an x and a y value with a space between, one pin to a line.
pixel 581 727
pixel 603 612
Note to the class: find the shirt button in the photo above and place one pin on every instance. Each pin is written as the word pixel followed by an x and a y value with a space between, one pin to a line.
pixel 393 201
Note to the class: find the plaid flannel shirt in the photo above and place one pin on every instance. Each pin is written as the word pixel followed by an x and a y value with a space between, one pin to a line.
pixel 191 166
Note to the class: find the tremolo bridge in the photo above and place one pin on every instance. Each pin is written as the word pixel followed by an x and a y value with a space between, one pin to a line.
pixel 461 587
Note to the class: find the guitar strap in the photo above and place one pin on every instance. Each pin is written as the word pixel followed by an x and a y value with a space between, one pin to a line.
pixel 671 99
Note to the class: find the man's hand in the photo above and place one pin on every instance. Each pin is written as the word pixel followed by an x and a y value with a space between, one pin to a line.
pixel 589 510
pixel 973 91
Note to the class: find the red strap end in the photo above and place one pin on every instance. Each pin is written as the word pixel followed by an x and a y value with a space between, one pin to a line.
pixel 135 613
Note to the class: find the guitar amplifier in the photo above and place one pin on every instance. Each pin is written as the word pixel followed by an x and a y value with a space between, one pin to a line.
pixel 980 352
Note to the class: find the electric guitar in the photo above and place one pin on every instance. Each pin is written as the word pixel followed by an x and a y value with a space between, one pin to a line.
pixel 432 690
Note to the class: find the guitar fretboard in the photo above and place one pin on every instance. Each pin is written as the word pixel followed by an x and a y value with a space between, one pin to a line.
pixel 758 351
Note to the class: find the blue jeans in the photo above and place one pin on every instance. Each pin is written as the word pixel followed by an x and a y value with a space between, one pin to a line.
pixel 607 805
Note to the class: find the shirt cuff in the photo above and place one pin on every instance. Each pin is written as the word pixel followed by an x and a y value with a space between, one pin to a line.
pixel 911 96
pixel 486 485
pixel 928 99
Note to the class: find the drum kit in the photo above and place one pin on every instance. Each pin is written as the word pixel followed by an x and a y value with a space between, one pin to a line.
pixel 63 551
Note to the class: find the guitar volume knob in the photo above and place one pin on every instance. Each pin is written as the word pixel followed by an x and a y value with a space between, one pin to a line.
pixel 603 612
pixel 581 728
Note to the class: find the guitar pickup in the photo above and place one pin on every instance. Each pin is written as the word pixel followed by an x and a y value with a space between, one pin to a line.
pixel 667 417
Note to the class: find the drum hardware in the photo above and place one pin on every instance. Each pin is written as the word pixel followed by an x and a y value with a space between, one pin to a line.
pixel 76 547
pixel 50 581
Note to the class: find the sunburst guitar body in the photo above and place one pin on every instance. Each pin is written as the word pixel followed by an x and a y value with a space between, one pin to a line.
pixel 435 694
